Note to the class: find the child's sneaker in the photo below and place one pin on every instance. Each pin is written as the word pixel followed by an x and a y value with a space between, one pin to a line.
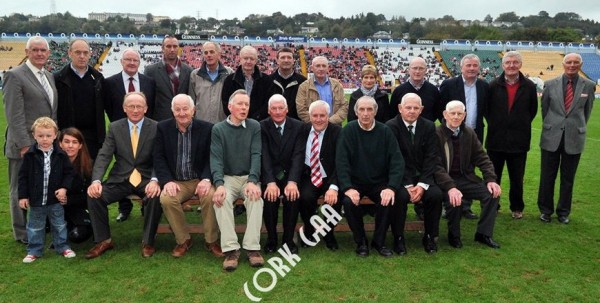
pixel 29 259
pixel 68 254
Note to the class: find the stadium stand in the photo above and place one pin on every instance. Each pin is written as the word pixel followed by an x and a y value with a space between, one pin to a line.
pixel 490 62
pixel 545 65
pixel 394 61
pixel 591 66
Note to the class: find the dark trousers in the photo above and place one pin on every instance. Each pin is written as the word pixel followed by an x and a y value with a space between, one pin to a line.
pixel 515 163
pixel 271 214
pixel 432 211
pixel 551 161
pixel 115 191
pixel 355 213
pixel 489 206
pixel 309 196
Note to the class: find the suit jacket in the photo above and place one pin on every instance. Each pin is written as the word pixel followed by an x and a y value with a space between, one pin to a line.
pixel 454 89
pixel 25 100
pixel 557 121
pixel 420 157
pixel 115 90
pixel 281 153
pixel 165 150
pixel 118 144
pixel 328 148
pixel 164 89
pixel 471 155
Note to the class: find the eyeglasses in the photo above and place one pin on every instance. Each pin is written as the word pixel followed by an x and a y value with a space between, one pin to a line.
pixel 135 107
pixel 131 60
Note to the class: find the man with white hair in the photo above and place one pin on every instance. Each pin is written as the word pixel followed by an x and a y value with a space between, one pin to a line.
pixel 322 87
pixel 281 168
pixel 460 152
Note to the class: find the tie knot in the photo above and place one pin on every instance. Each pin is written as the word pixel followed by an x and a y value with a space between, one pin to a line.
pixel 316 133
pixel 130 78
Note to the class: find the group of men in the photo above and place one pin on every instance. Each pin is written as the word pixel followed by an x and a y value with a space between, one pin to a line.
pixel 221 135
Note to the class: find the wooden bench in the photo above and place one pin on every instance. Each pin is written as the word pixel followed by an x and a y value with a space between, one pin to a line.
pixel 192 205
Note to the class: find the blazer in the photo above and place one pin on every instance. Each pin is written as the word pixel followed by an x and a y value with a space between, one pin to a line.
pixel 471 155
pixel 307 94
pixel 282 153
pixel 420 157
pixel 118 144
pixel 557 121
pixel 114 92
pixel 510 131
pixel 164 89
pixel 25 100
pixel 165 150
pixel 328 148
pixel 454 89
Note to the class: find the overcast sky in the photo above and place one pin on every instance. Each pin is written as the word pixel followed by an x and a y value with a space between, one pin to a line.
pixel 228 9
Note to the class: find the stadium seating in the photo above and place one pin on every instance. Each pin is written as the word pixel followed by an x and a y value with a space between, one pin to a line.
pixel 394 61
pixel 591 66
pixel 12 53
pixel 490 62
pixel 545 65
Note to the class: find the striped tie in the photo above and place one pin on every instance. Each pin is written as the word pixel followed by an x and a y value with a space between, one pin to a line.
pixel 569 95
pixel 315 164
pixel 46 86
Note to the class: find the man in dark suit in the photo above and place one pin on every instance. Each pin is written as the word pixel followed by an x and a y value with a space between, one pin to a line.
pixel 80 100
pixel 460 152
pixel 473 92
pixel 312 188
pixel 171 76
pixel 115 87
pixel 131 141
pixel 511 108
pixel 29 93
pixel 182 165
pixel 282 152
pixel 566 107
pixel 417 142
pixel 128 80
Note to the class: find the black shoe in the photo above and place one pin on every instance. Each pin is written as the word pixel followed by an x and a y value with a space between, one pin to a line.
pixel 383 251
pixel 238 210
pixel 563 219
pixel 429 244
pixel 122 217
pixel 545 218
pixel 455 241
pixel 270 247
pixel 399 246
pixel 331 242
pixel 468 214
pixel 362 250
pixel 293 248
pixel 483 239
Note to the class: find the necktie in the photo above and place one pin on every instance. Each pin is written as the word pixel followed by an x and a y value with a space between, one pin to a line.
pixel 131 86
pixel 280 130
pixel 135 178
pixel 46 86
pixel 569 95
pixel 315 164
pixel 411 134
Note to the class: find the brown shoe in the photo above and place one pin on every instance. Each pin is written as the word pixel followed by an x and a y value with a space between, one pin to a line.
pixel 256 260
pixel 231 260
pixel 99 249
pixel 147 251
pixel 214 248
pixel 181 249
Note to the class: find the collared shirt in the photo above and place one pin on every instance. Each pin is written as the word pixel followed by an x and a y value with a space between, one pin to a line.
pixel 282 125
pixel 307 154
pixel 136 81
pixel 77 72
pixel 416 85
pixel 184 169
pixel 471 103
pixel 324 91
pixel 367 129
pixel 242 124
pixel 248 84
pixel 139 126
pixel 47 168
pixel 425 186
pixel 36 71
pixel 565 80
pixel 213 74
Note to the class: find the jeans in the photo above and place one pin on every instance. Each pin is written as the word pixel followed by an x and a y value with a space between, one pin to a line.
pixel 36 229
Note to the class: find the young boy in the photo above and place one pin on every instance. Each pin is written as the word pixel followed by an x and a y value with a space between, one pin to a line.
pixel 44 178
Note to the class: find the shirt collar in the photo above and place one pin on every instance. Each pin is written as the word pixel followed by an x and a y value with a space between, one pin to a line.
pixel 242 124
pixel 135 77
pixel 34 69
pixel 77 72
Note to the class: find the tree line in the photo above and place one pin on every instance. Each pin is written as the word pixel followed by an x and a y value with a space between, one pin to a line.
pixel 562 27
